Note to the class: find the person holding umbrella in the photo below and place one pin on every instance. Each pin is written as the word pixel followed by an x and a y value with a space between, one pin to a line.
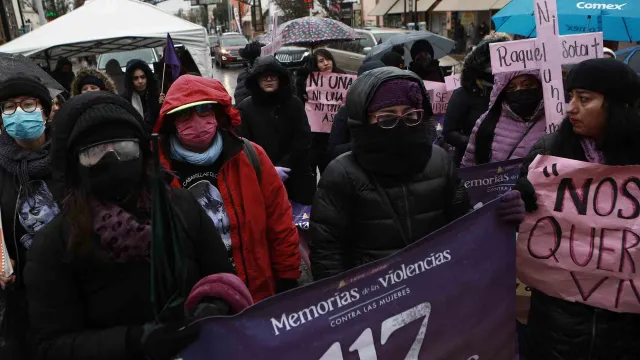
pixel 423 62
pixel 97 287
pixel 602 126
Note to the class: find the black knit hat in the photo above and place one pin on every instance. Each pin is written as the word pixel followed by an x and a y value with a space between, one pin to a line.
pixel 26 85
pixel 93 80
pixel 612 78
pixel 90 118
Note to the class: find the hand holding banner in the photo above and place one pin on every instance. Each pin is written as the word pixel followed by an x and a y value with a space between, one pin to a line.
pixel 583 241
pixel 448 296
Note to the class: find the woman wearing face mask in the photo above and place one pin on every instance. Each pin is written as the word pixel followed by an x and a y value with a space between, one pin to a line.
pixel 91 79
pixel 514 122
pixel 602 126
pixel 26 202
pixel 275 119
pixel 233 180
pixel 393 188
pixel 423 62
pixel 94 287
pixel 471 100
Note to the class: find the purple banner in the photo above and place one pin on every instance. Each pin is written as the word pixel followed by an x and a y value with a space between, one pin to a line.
pixel 447 297
pixel 301 215
pixel 489 181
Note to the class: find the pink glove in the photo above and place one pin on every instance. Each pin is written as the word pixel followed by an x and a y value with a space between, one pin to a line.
pixel 511 208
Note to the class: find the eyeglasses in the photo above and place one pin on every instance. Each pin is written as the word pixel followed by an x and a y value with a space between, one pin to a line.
pixel 126 149
pixel 389 121
pixel 268 77
pixel 28 105
pixel 201 110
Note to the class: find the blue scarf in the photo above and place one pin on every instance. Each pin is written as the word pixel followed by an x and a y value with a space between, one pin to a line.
pixel 179 153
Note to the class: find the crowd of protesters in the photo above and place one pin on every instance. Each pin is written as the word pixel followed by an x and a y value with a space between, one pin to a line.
pixel 116 208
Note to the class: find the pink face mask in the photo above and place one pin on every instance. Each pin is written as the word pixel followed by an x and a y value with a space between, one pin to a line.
pixel 196 133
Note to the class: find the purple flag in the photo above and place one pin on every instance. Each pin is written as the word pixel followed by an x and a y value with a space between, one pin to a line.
pixel 448 296
pixel 487 182
pixel 171 59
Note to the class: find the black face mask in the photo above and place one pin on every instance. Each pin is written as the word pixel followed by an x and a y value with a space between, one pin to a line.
pixel 399 152
pixel 111 179
pixel 524 102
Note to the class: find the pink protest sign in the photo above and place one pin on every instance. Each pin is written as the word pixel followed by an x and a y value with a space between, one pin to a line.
pixel 276 41
pixel 326 93
pixel 452 82
pixel 548 52
pixel 583 242
pixel 439 96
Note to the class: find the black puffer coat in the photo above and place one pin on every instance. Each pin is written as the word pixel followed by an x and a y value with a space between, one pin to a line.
pixel 278 123
pixel 352 224
pixel 563 330
pixel 241 92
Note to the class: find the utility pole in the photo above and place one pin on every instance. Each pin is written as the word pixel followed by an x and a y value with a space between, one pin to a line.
pixel 404 14
pixel 40 9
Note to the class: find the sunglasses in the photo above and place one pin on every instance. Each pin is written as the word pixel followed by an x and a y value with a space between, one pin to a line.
pixel 202 111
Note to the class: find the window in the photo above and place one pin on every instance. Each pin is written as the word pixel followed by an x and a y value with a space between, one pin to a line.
pixel 233 41
pixel 146 55
pixel 335 45
pixel 366 42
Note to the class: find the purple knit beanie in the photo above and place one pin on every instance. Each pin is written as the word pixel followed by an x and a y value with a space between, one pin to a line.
pixel 396 92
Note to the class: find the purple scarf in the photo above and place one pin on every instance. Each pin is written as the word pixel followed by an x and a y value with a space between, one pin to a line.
pixel 123 236
pixel 591 152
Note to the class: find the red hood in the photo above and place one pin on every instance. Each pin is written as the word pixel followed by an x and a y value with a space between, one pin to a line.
pixel 188 89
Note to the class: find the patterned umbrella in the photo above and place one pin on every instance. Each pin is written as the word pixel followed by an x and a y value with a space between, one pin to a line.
pixel 314 31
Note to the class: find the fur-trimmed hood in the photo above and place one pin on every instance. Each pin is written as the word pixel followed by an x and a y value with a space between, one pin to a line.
pixel 76 86
pixel 479 60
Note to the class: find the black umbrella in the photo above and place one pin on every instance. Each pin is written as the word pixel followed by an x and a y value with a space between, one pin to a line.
pixel 12 64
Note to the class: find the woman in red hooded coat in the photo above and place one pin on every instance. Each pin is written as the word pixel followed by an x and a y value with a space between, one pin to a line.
pixel 234 181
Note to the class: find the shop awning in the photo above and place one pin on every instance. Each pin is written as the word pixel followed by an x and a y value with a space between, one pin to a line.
pixel 383 7
pixel 466 5
pixel 500 4
pixel 423 5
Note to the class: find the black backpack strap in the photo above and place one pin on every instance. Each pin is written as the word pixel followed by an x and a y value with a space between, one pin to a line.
pixel 252 154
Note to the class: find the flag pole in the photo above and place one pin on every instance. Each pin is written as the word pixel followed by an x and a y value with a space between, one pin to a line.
pixel 164 68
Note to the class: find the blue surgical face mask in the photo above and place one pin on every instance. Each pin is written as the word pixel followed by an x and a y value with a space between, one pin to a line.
pixel 25 126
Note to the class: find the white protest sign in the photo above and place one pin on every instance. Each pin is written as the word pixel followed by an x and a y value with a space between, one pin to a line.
pixel 452 82
pixel 6 269
pixel 276 41
pixel 548 52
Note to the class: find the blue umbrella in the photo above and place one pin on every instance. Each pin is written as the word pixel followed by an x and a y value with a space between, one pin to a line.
pixel 619 20
pixel 631 57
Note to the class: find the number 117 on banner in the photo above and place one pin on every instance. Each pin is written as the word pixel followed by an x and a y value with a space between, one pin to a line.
pixel 365 346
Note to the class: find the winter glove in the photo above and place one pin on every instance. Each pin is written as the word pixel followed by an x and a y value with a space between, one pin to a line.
pixel 528 194
pixel 511 208
pixel 165 341
pixel 211 307
pixel 284 285
pixel 283 173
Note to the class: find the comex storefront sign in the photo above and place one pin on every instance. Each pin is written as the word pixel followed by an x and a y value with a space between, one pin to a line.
pixel 596 6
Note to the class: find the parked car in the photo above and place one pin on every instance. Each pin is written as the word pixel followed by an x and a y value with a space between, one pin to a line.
pixel 350 54
pixel 148 55
pixel 226 50
pixel 293 57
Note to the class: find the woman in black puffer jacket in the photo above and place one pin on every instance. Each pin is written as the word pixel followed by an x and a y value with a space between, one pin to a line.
pixel 250 53
pixel 393 188
pixel 603 126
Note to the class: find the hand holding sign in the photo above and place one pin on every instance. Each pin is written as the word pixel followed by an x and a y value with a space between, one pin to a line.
pixel 548 52
pixel 583 242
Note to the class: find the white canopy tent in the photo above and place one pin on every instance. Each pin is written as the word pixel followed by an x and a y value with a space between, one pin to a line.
pixel 102 26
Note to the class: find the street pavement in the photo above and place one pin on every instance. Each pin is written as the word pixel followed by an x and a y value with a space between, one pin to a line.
pixel 228 76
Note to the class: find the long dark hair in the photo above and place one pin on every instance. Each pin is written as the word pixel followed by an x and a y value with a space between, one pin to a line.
pixel 327 55
pixel 77 208
pixel 620 144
